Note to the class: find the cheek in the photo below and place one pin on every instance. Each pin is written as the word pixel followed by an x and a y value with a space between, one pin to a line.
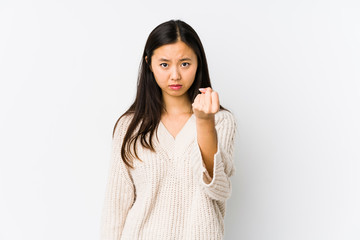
pixel 160 77
pixel 157 74
pixel 192 73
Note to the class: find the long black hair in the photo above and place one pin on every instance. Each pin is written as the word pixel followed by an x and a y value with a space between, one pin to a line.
pixel 148 104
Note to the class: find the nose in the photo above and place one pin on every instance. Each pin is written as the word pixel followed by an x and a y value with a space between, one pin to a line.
pixel 175 74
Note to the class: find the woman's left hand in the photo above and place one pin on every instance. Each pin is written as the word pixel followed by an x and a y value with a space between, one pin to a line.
pixel 206 104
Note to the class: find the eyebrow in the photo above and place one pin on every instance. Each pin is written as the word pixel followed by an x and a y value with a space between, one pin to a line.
pixel 181 60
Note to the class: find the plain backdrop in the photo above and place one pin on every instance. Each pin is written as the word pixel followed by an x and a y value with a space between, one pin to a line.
pixel 288 70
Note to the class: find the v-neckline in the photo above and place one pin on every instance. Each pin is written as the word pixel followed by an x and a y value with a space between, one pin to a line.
pixel 181 130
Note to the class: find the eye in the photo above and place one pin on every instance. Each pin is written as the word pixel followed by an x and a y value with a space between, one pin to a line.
pixel 185 64
pixel 164 65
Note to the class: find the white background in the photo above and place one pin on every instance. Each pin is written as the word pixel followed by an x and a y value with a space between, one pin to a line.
pixel 288 70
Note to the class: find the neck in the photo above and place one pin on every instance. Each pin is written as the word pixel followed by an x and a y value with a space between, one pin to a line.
pixel 177 105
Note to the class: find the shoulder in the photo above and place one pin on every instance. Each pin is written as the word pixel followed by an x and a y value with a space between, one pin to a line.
pixel 224 117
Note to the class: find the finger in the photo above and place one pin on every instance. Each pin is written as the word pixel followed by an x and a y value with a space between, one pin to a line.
pixel 196 101
pixel 207 100
pixel 202 90
pixel 215 102
pixel 201 101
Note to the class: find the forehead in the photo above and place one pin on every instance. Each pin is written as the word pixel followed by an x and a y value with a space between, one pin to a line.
pixel 174 51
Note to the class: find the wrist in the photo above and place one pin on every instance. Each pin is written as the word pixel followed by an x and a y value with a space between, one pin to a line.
pixel 205 125
pixel 206 120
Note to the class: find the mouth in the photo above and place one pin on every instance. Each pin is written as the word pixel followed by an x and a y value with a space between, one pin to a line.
pixel 175 86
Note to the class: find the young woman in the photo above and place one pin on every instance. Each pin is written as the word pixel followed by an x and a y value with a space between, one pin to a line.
pixel 172 149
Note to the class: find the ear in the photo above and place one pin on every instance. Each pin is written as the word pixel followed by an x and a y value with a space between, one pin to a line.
pixel 146 59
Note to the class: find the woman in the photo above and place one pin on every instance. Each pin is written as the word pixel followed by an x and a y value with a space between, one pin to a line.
pixel 172 149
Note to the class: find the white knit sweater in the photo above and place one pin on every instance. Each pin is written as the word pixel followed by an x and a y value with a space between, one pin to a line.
pixel 168 195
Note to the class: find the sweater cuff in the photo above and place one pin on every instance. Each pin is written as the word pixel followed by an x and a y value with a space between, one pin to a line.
pixel 218 166
pixel 219 187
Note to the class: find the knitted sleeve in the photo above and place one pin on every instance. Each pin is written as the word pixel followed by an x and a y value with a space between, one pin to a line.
pixel 219 187
pixel 120 191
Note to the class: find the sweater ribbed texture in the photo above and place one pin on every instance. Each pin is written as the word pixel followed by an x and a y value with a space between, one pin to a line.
pixel 169 194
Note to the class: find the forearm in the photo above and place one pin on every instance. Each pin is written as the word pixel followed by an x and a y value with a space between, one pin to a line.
pixel 207 140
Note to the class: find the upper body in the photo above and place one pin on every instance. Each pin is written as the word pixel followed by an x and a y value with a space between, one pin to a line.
pixel 172 149
pixel 170 195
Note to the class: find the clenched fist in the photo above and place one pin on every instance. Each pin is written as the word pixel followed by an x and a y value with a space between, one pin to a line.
pixel 206 104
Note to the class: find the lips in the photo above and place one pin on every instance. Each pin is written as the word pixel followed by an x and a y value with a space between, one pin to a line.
pixel 175 86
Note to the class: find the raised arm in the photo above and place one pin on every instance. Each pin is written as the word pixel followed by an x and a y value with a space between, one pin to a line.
pixel 205 106
pixel 217 160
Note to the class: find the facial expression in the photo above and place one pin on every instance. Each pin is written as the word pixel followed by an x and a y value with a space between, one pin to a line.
pixel 174 67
